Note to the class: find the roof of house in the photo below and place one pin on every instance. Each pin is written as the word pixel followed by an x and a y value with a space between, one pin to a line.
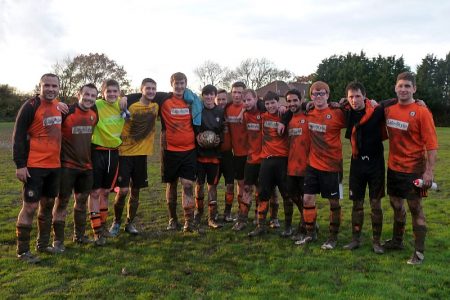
pixel 281 87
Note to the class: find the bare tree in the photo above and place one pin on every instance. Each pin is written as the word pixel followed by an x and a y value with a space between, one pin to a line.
pixel 211 73
pixel 254 72
pixel 91 68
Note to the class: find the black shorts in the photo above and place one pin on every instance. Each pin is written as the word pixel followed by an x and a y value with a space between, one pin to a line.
pixel 273 172
pixel 367 171
pixel 179 164
pixel 226 167
pixel 79 181
pixel 105 165
pixel 132 172
pixel 41 183
pixel 251 174
pixel 208 172
pixel 401 185
pixel 239 166
pixel 327 184
pixel 295 185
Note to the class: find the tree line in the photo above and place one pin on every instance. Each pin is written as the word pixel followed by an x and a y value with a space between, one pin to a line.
pixel 378 74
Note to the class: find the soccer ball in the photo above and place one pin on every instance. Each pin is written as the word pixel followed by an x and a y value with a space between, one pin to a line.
pixel 207 139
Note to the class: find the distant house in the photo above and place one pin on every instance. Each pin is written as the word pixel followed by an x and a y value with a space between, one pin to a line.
pixel 281 87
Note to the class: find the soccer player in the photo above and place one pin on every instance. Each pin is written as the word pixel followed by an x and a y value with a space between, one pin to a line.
pixel 412 155
pixel 76 166
pixel 366 131
pixel 138 135
pixel 252 119
pixel 36 153
pixel 274 153
pixel 105 157
pixel 324 171
pixel 208 157
pixel 178 154
pixel 179 157
pixel 299 143
pixel 226 155
pixel 233 115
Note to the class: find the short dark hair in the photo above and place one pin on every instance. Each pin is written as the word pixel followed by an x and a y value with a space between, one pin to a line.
pixel 177 77
pixel 238 84
pixel 407 76
pixel 109 82
pixel 209 89
pixel 294 92
pixel 147 80
pixel 48 75
pixel 354 86
pixel 271 96
pixel 88 85
pixel 220 91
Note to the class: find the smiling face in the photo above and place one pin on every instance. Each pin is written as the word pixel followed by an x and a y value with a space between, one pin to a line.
pixel 405 90
pixel 293 102
pixel 149 90
pixel 87 97
pixel 356 99
pixel 178 87
pixel 320 98
pixel 208 100
pixel 49 88
pixel 271 106
pixel 111 93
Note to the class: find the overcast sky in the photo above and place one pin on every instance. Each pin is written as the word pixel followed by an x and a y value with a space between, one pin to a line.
pixel 157 38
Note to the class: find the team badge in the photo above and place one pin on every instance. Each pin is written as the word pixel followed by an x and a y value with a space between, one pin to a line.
pixel 412 114
pixel 217 119
pixel 258 117
pixel 92 118
pixel 328 116
pixel 30 193
pixel 302 121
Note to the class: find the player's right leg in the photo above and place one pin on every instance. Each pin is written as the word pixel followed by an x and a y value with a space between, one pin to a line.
pixel 311 188
pixel 31 195
pixel 397 191
pixel 123 182
pixel 68 177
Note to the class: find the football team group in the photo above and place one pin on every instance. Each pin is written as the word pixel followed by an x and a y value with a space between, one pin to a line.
pixel 96 146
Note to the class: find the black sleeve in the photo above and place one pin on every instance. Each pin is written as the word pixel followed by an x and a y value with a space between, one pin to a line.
pixel 71 111
pixel 260 106
pixel 133 98
pixel 387 103
pixel 286 117
pixel 24 119
pixel 94 108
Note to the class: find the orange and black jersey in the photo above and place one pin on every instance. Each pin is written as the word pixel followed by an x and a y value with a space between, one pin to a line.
pixel 325 131
pixel 236 128
pixel 226 144
pixel 272 143
pixel 299 143
pixel 77 128
pixel 37 135
pixel 253 125
pixel 177 133
pixel 411 131
pixel 213 120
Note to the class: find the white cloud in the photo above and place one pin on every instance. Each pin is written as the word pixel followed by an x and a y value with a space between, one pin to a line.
pixel 156 38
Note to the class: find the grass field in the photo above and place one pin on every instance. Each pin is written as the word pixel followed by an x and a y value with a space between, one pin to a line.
pixel 225 264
